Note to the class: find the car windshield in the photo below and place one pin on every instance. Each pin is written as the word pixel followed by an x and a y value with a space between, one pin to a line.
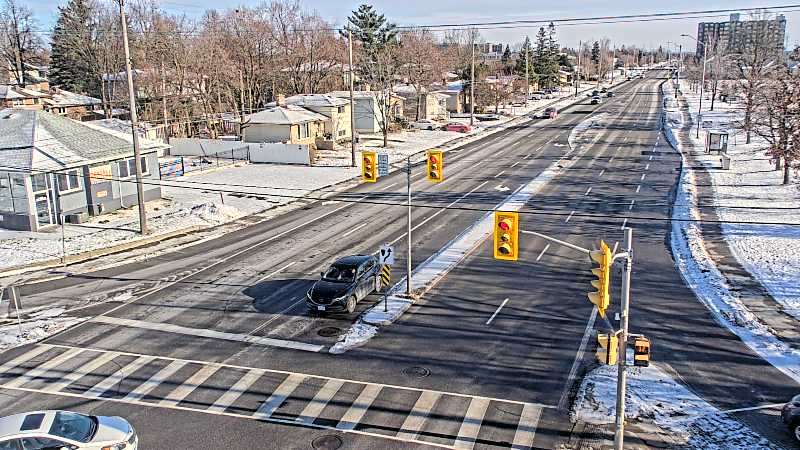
pixel 340 274
pixel 76 427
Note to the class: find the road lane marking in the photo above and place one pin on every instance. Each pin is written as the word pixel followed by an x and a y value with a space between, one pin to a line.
pixel 569 216
pixel 295 302
pixel 206 333
pixel 236 391
pixel 83 370
pixel 578 358
pixel 42 368
pixel 501 172
pixel 753 408
pixel 638 188
pixel 647 167
pixel 262 279
pixel 643 175
pixel 630 207
pixel 161 376
pixel 612 159
pixel 496 311
pixel 616 246
pixel 98 389
pixel 353 230
pixel 359 407
pixel 587 191
pixel 527 156
pixel 278 396
pixel 650 158
pixel 187 387
pixel 526 429
pixel 416 418
pixel 542 253
pixel 602 172
pixel 624 222
pixel 389 186
pixel 468 433
pixel 515 164
pixel 23 358
pixel 314 408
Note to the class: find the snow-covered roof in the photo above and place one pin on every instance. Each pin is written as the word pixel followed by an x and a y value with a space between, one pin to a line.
pixel 7 93
pixel 61 97
pixel 315 100
pixel 285 115
pixel 39 140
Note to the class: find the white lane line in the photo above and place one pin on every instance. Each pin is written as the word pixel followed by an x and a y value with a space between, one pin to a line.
pixel 416 418
pixel 624 222
pixel 116 377
pixel 526 428
pixel 501 172
pixel 515 164
pixel 206 333
pixel 612 159
pixel 82 371
pixel 23 358
pixel 650 158
pixel 188 386
pixel 496 311
pixel 753 408
pixel 587 191
pixel 353 230
pixel 578 358
pixel 278 396
pixel 542 253
pixel 616 246
pixel 468 433
pixel 389 186
pixel 643 175
pixel 569 216
pixel 630 207
pixel 527 156
pixel 638 188
pixel 602 172
pixel 647 167
pixel 236 391
pixel 276 272
pixel 314 408
pixel 359 407
pixel 43 368
pixel 295 302
pixel 161 376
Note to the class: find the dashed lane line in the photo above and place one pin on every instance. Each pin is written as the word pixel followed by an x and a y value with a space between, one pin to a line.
pixel 587 191
pixel 496 312
pixel 569 216
pixel 638 187
pixel 543 251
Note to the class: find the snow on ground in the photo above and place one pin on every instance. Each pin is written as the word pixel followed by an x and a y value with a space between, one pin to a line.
pixel 35 328
pixel 770 252
pixel 652 396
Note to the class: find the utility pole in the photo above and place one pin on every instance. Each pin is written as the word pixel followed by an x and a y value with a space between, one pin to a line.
pixel 352 103
pixel 527 77
pixel 613 63
pixel 471 86
pixel 578 70
pixel 680 65
pixel 408 231
pixel 599 66
pixel 137 156
pixel 619 434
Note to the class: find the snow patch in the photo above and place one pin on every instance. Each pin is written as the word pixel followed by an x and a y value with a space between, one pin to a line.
pixel 30 331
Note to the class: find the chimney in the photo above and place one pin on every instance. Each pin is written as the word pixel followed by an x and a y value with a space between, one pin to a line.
pixel 280 100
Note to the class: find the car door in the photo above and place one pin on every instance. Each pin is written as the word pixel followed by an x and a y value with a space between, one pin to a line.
pixel 43 443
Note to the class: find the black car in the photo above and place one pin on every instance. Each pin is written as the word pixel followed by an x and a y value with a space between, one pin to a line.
pixel 791 416
pixel 609 94
pixel 346 281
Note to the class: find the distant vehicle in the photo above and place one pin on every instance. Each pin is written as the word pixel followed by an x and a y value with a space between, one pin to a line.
pixel 425 124
pixel 596 100
pixel 486 117
pixel 609 94
pixel 346 282
pixel 58 430
pixel 550 112
pixel 595 93
pixel 791 416
pixel 603 90
pixel 459 127
pixel 538 95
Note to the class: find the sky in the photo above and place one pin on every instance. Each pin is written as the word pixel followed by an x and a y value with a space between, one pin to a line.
pixel 422 12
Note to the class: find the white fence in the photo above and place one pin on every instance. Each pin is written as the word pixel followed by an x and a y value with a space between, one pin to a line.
pixel 280 153
pixel 237 150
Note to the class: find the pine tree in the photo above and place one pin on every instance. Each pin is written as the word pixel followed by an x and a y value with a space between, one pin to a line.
pixel 71 48
pixel 553 55
pixel 372 30
pixel 506 58
pixel 596 53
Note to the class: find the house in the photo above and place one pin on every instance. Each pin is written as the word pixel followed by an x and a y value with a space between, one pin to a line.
pixel 367 105
pixel 456 97
pixel 564 77
pixel 35 77
pixel 52 167
pixel 15 96
pixel 336 111
pixel 423 104
pixel 288 124
pixel 72 105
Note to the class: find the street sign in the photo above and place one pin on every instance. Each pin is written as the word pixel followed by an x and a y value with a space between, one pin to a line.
pixel 386 276
pixel 386 254
pixel 383 164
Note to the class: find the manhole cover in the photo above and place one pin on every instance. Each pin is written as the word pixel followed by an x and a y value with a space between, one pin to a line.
pixel 327 442
pixel 416 372
pixel 329 331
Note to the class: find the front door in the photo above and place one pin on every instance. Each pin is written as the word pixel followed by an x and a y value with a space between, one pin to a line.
pixel 44 198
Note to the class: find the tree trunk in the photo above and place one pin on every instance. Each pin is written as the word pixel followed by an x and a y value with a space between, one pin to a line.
pixel 787 178
pixel 713 94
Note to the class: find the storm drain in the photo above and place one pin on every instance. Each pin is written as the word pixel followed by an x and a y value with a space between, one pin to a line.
pixel 327 442
pixel 329 331
pixel 416 372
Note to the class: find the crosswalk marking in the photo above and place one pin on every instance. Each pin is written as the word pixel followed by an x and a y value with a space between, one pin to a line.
pixel 23 358
pixel 98 389
pixel 85 369
pixel 468 433
pixel 526 430
pixel 278 396
pixel 359 407
pixel 318 403
pixel 43 368
pixel 181 392
pixel 416 418
pixel 236 390
pixel 154 381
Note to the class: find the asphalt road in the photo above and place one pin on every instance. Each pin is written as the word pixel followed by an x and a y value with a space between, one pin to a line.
pixel 193 345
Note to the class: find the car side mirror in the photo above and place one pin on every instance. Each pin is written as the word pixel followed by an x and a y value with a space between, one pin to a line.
pixel 322 274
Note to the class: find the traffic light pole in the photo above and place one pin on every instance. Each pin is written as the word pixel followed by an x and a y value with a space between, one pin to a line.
pixel 619 434
pixel 408 232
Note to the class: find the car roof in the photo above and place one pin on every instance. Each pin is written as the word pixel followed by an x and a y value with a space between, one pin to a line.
pixel 353 260
pixel 10 425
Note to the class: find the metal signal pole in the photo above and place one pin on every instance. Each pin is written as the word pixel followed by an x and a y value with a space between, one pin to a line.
pixel 137 156
pixel 352 103
pixel 408 234
pixel 471 83
pixel 619 434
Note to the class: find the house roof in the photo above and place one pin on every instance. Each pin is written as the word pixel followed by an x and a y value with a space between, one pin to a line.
pixel 6 93
pixel 315 100
pixel 61 97
pixel 39 140
pixel 285 115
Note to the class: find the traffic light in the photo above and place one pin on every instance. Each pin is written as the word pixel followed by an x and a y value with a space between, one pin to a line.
pixel 601 296
pixel 435 166
pixel 607 346
pixel 506 235
pixel 369 167
pixel 641 352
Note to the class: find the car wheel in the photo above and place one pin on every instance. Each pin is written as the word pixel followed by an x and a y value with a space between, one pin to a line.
pixel 351 304
pixel 795 427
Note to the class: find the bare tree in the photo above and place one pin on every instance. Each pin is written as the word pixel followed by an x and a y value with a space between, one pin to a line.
pixel 421 61
pixel 18 39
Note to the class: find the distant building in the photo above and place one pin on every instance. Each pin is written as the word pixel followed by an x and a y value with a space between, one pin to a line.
pixel 736 35
pixel 284 123
pixel 337 111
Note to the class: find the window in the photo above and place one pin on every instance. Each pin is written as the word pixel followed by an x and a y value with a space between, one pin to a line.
pixel 10 445
pixel 42 443
pixel 342 132
pixel 70 425
pixel 68 181
pixel 38 182
pixel 340 110
pixel 127 167
pixel 304 130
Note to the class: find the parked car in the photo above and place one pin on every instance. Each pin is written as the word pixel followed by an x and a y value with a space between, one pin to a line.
pixel 425 124
pixel 791 416
pixel 595 93
pixel 603 90
pixel 346 282
pixel 460 127
pixel 486 117
pixel 538 95
pixel 609 94
pixel 596 100
pixel 56 430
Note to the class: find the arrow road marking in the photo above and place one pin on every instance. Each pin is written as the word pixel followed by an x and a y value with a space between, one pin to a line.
pixel 502 188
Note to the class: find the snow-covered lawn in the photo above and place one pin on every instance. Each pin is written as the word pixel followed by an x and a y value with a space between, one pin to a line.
pixel 35 327
pixel 653 397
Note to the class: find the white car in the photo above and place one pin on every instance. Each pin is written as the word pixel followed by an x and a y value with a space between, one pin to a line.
pixel 425 124
pixel 59 430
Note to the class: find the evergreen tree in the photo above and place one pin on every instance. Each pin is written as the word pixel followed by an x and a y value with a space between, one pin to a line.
pixel 506 58
pixel 553 55
pixel 519 69
pixel 372 30
pixel 596 53
pixel 72 48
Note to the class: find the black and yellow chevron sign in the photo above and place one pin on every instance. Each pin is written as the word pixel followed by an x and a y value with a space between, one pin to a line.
pixel 386 275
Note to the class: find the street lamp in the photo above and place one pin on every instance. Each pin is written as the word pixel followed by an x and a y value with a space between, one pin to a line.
pixel 702 82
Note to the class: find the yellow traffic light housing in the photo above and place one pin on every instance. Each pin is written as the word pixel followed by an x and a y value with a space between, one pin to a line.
pixel 369 167
pixel 601 297
pixel 435 166
pixel 506 235
pixel 607 346
pixel 641 352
